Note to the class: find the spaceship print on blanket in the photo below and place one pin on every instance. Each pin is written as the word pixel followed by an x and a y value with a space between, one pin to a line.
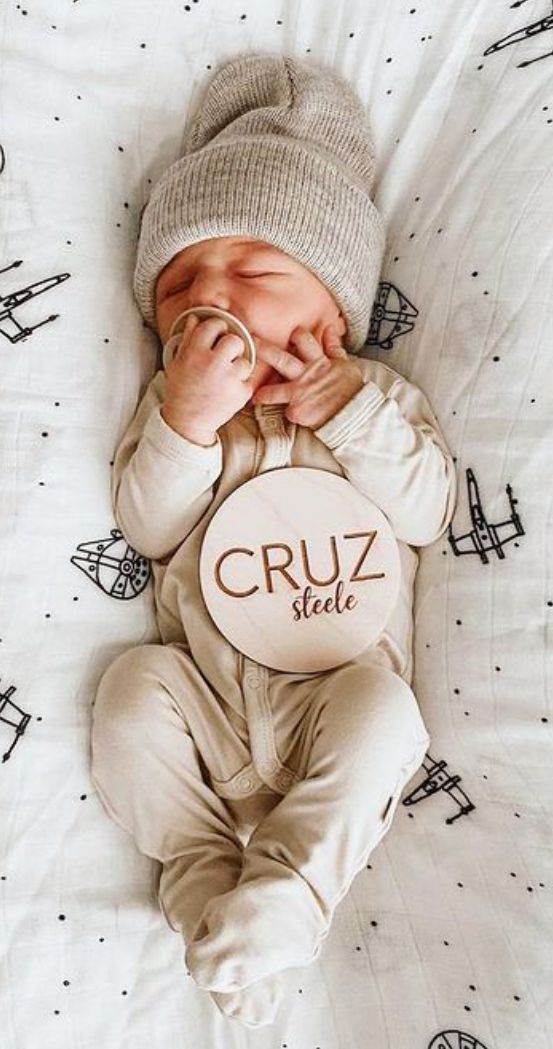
pixel 298 569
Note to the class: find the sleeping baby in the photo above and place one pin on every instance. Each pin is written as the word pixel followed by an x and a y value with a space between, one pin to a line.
pixel 262 793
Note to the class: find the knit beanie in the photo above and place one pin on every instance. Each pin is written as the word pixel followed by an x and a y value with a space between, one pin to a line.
pixel 279 150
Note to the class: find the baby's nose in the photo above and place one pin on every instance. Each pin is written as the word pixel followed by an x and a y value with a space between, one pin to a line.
pixel 209 288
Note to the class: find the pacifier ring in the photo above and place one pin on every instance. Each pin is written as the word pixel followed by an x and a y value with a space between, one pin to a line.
pixel 233 322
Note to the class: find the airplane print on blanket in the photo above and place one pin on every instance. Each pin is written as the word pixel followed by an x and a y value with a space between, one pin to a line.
pixel 484 535
pixel 392 315
pixel 455 1039
pixel 533 29
pixel 439 779
pixel 9 324
pixel 14 718
pixel 113 566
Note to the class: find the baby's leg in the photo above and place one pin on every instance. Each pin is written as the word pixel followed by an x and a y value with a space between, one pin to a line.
pixel 147 771
pixel 146 767
pixel 365 739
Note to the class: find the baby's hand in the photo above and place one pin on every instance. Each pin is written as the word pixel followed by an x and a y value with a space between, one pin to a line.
pixel 208 380
pixel 321 379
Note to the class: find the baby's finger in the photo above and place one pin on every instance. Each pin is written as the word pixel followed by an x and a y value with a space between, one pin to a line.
pixel 230 346
pixel 242 368
pixel 283 362
pixel 182 338
pixel 308 346
pixel 274 393
pixel 333 343
pixel 190 324
pixel 208 331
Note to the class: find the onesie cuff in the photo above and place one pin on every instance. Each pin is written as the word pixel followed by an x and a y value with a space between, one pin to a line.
pixel 174 446
pixel 352 417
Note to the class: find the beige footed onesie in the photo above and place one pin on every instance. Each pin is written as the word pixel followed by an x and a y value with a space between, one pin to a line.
pixel 262 793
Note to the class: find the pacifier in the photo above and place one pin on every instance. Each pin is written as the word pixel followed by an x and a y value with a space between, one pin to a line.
pixel 233 322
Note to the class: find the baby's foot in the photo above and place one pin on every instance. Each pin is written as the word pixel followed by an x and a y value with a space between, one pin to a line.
pixel 254 1006
pixel 258 928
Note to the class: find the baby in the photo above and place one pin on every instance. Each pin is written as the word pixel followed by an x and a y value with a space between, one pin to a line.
pixel 263 793
pixel 269 290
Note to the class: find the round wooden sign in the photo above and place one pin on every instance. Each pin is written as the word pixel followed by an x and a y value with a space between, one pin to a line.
pixel 298 570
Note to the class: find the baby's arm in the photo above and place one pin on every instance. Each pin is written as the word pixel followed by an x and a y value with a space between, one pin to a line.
pixel 390 446
pixel 161 482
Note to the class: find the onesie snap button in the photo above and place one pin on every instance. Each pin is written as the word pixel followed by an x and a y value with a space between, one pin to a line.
pixel 253 680
pixel 269 766
pixel 245 783
pixel 284 780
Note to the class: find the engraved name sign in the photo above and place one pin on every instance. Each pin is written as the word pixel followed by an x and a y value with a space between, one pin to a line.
pixel 298 570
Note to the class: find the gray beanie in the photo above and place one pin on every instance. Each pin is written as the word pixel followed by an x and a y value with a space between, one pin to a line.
pixel 281 151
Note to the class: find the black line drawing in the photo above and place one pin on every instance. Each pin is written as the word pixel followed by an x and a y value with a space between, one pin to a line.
pixel 393 315
pixel 9 325
pixel 541 26
pixel 483 535
pixel 454 1039
pixel 7 710
pixel 114 566
pixel 2 160
pixel 438 778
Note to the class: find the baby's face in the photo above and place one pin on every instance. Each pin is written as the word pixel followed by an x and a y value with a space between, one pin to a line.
pixel 268 290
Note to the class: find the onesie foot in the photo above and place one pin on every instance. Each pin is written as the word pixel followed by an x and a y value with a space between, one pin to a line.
pixel 253 1006
pixel 258 928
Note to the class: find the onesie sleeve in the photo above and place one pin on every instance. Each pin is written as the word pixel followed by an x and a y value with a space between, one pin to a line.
pixel 390 446
pixel 161 483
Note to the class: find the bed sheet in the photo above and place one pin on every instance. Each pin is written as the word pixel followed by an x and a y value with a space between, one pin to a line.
pixel 444 941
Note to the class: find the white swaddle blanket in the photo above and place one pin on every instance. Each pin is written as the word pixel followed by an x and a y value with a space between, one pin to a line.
pixel 444 941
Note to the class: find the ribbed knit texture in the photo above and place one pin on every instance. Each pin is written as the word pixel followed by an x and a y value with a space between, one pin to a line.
pixel 282 151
